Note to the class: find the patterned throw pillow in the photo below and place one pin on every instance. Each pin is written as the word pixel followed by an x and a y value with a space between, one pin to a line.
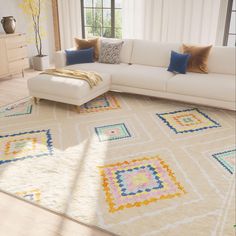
pixel 110 52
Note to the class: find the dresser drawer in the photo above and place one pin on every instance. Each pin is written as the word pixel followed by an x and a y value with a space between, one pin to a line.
pixel 16 41
pixel 3 58
pixel 18 66
pixel 16 53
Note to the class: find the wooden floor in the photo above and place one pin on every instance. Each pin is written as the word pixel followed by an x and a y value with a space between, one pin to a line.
pixel 18 217
pixel 15 87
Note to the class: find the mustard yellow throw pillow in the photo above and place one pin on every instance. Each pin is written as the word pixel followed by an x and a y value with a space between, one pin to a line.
pixel 88 43
pixel 198 58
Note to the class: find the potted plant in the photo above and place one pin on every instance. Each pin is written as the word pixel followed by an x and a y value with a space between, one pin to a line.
pixel 33 8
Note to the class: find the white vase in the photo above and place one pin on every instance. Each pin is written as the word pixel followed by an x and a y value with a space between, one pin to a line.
pixel 41 63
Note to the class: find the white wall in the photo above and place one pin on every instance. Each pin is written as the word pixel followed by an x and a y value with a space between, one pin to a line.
pixel 11 8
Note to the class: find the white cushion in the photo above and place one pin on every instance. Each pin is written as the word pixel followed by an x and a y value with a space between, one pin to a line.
pixel 126 51
pixel 152 53
pixel 138 76
pixel 65 87
pixel 214 86
pixel 222 60
pixel 60 59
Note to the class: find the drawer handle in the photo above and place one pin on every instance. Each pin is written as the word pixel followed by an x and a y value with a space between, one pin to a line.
pixel 23 46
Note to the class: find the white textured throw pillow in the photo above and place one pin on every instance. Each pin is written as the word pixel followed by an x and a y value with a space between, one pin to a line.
pixel 110 52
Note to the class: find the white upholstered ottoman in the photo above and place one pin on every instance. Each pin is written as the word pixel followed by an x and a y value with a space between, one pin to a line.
pixel 66 90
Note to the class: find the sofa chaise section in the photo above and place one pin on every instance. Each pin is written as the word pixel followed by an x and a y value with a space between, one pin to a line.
pixel 67 90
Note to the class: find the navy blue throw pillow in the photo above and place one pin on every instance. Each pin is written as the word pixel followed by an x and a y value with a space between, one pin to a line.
pixel 178 62
pixel 79 56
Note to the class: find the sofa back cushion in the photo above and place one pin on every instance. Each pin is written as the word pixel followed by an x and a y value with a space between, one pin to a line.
pixel 126 50
pixel 153 53
pixel 222 60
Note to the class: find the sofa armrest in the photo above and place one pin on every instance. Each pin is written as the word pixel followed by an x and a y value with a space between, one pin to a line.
pixel 60 59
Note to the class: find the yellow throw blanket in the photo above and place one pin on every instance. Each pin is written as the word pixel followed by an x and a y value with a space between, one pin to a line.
pixel 91 78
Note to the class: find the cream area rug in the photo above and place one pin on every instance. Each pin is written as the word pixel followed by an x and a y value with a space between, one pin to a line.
pixel 129 164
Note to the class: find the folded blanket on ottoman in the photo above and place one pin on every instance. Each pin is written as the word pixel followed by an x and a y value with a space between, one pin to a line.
pixel 91 78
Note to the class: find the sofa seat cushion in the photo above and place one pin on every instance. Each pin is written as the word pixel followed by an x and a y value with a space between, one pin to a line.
pixel 63 87
pixel 212 86
pixel 99 67
pixel 145 77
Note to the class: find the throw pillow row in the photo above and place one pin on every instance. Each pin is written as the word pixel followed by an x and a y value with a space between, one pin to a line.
pixel 88 52
pixel 193 59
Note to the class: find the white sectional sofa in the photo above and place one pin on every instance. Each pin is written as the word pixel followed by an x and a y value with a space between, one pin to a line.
pixel 143 70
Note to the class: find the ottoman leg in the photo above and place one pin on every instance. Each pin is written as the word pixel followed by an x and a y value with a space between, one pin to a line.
pixel 77 108
pixel 36 100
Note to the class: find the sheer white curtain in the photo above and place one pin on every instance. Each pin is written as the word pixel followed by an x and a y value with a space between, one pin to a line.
pixel 69 21
pixel 190 21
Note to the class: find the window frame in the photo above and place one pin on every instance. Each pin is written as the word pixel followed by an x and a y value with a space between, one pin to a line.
pixel 113 23
pixel 227 22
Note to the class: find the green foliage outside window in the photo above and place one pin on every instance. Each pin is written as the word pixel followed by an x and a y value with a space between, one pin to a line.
pixel 102 18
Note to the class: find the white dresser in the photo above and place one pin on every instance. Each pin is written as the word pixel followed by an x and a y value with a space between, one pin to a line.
pixel 13 54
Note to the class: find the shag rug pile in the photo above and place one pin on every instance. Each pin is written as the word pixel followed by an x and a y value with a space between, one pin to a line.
pixel 132 165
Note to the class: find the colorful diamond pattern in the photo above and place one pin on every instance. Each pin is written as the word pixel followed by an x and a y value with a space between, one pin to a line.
pixel 14 147
pixel 112 132
pixel 33 195
pixel 101 103
pixel 189 120
pixel 138 182
pixel 17 109
pixel 227 159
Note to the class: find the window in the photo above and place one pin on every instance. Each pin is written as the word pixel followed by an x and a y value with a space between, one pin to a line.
pixel 230 26
pixel 101 18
